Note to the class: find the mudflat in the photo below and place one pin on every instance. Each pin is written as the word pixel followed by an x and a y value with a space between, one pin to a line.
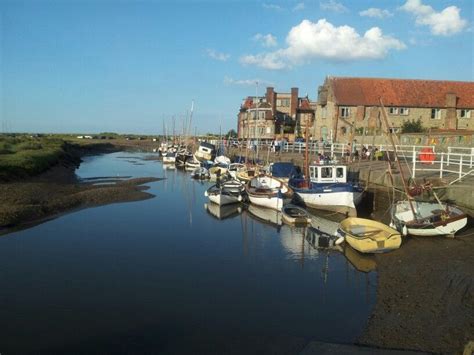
pixel 57 191
pixel 425 296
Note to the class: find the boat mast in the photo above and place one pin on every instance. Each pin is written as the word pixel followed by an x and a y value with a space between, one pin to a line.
pixel 390 135
pixel 306 154
pixel 256 119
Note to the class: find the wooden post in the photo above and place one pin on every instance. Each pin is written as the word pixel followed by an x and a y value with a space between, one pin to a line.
pixel 414 164
pixel 441 167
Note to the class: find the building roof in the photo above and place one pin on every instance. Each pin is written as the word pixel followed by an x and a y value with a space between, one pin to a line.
pixel 400 92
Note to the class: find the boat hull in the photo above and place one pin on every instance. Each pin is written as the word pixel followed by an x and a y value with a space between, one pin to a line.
pixel 275 203
pixel 223 199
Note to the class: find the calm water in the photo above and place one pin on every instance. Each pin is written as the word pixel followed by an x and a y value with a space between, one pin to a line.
pixel 166 275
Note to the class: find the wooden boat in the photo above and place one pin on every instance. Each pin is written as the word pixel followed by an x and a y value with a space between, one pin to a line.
pixel 292 214
pixel 368 236
pixel 247 173
pixel 267 191
pixel 429 219
pixel 226 193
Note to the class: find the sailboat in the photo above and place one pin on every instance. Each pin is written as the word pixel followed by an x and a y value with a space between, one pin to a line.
pixel 226 193
pixel 422 218
pixel 267 191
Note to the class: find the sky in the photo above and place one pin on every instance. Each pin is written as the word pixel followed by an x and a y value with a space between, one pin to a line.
pixel 84 66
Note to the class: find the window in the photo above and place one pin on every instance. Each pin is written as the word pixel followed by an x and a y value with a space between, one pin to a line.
pixel 344 111
pixel 393 110
pixel 326 173
pixel 340 173
pixel 435 113
pixel 465 113
pixel 285 102
pixel 269 130
pixel 324 111
pixel 395 130
pixel 261 115
pixel 278 102
pixel 404 111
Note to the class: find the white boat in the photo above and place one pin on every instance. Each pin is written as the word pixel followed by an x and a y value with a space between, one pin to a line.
pixel 328 189
pixel 226 193
pixel 169 157
pixel 428 219
pixel 200 173
pixel 192 163
pixel 206 151
pixel 269 192
pixel 222 160
pixel 234 168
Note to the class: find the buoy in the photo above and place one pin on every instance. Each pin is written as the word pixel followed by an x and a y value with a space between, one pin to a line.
pixel 339 240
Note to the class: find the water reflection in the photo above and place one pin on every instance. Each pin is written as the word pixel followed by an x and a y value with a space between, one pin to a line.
pixel 166 271
pixel 223 212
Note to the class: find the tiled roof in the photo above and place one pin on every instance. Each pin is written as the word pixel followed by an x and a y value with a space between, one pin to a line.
pixel 400 92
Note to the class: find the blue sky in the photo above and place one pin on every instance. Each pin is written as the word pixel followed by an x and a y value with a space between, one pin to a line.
pixel 125 66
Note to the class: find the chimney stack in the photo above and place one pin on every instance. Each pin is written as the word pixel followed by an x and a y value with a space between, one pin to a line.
pixel 293 102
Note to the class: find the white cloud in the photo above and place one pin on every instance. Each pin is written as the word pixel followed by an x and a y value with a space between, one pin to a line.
pixel 245 82
pixel 375 12
pixel 217 55
pixel 300 6
pixel 272 7
pixel 444 23
pixel 322 40
pixel 267 40
pixel 333 5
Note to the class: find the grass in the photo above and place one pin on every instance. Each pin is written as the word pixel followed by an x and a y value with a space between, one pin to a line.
pixel 22 156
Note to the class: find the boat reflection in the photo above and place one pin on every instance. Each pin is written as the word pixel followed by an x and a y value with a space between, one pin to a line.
pixel 265 215
pixel 223 212
pixel 361 262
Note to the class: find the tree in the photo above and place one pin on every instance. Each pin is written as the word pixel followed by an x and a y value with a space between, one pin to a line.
pixel 412 126
pixel 232 133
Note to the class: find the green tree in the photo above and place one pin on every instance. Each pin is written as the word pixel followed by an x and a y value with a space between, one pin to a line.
pixel 412 126
pixel 232 133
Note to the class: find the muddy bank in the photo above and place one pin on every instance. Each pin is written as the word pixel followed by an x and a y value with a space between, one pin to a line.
pixel 57 191
pixel 425 296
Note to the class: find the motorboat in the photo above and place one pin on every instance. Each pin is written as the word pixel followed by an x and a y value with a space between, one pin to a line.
pixel 205 151
pixel 368 236
pixel 327 188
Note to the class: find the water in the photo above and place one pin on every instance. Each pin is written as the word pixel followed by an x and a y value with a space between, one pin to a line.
pixel 165 275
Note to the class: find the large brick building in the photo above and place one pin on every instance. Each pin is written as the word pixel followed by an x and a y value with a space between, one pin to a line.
pixel 275 115
pixel 346 105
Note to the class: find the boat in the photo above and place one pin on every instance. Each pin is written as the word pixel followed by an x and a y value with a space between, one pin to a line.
pixel 428 219
pixel 295 215
pixel 267 191
pixel 200 173
pixel 222 212
pixel 234 168
pixel 422 218
pixel 327 188
pixel 217 172
pixel 226 193
pixel 205 151
pixel 222 160
pixel 247 173
pixel 192 163
pixel 182 156
pixel 282 170
pixel 368 236
pixel 169 157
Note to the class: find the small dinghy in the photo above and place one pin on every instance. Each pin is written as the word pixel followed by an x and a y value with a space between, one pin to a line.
pixel 368 236
pixel 217 172
pixel 295 215
pixel 200 173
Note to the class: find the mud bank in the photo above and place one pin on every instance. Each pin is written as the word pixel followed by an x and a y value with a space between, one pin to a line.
pixel 425 296
pixel 57 191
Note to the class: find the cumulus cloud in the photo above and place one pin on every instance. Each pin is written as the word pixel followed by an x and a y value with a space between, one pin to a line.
pixel 322 40
pixel 267 40
pixel 271 7
pixel 333 5
pixel 300 6
pixel 444 23
pixel 375 12
pixel 245 82
pixel 212 53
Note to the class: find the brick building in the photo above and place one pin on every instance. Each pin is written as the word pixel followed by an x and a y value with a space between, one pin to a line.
pixel 347 105
pixel 275 115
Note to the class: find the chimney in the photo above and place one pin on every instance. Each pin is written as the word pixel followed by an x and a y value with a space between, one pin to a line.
pixel 293 102
pixel 270 96
pixel 451 119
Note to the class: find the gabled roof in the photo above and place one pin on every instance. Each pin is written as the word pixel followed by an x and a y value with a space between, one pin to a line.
pixel 400 92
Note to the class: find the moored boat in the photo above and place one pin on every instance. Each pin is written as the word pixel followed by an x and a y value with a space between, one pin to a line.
pixel 424 218
pixel 368 236
pixel 295 215
pixel 267 191
pixel 226 193
pixel 205 151
pixel 200 173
